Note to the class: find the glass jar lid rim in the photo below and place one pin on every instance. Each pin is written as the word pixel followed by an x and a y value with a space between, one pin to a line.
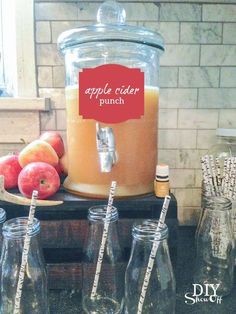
pixel 109 33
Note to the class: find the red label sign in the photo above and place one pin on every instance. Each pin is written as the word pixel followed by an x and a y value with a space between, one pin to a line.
pixel 111 93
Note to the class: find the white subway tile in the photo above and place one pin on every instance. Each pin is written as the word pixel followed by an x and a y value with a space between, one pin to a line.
pixel 227 118
pixel 58 76
pixel 141 11
pixel 47 54
pixel 167 118
pixel 43 32
pixel 57 96
pixel 218 55
pixel 168 77
pixel 201 33
pixel 206 138
pixel 229 31
pixel 197 118
pixel 48 120
pixel 180 12
pixel 61 119
pixel 169 30
pixel 167 156
pixel 182 178
pixel 134 11
pixel 178 98
pixel 56 11
pixel 198 177
pixel 189 158
pixel 45 76
pixel 199 76
pixel 61 26
pixel 188 197
pixel 188 215
pixel 219 12
pixel 176 139
pixel 180 55
pixel 228 77
pixel 217 98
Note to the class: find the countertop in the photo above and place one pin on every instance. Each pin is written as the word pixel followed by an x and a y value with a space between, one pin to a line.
pixel 69 302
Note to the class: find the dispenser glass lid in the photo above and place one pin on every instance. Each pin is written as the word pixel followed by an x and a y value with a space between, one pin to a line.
pixel 110 27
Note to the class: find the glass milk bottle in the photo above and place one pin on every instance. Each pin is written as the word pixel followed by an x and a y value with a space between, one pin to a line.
pixel 160 295
pixel 109 294
pixel 34 299
pixel 215 246
pixel 2 219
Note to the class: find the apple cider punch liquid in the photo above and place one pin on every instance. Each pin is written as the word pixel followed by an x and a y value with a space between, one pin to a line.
pixel 136 146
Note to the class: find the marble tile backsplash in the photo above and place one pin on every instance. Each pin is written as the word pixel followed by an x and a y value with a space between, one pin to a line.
pixel 198 77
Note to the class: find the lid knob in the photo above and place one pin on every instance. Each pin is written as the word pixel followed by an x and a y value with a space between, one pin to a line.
pixel 111 12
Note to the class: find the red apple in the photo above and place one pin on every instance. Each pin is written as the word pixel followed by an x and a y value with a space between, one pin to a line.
pixel 38 176
pixel 63 161
pixel 38 151
pixel 55 140
pixel 10 169
pixel 59 169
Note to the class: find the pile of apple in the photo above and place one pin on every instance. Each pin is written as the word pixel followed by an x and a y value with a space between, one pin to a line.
pixel 37 167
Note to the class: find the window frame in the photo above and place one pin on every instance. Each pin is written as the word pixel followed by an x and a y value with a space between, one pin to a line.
pixel 18 46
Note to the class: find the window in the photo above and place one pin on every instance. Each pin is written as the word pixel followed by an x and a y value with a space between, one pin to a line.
pixel 17 47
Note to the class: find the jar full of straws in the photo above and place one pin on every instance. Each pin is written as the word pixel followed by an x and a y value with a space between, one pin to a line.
pixel 215 246
pixel 219 180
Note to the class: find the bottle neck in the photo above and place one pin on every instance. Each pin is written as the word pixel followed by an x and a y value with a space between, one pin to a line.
pixel 16 228
pixel 98 214
pixel 219 204
pixel 148 231
pixel 2 215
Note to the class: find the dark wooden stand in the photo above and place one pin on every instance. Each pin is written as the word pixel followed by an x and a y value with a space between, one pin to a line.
pixel 64 227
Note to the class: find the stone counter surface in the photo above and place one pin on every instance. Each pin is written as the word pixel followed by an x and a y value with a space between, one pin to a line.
pixel 69 302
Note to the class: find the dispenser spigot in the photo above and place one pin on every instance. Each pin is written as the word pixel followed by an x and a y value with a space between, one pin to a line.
pixel 106 147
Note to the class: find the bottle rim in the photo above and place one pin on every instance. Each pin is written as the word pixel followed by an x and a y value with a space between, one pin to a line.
pixel 2 215
pixel 16 228
pixel 148 230
pixel 98 213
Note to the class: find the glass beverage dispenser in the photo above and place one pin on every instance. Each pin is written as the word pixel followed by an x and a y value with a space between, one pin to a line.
pixel 112 76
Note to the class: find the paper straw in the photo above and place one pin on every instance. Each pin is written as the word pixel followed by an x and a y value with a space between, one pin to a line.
pixel 104 239
pixel 25 253
pixel 232 178
pixel 224 176
pixel 226 185
pixel 205 177
pixel 153 254
pixel 218 176
pixel 234 181
pixel 213 171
